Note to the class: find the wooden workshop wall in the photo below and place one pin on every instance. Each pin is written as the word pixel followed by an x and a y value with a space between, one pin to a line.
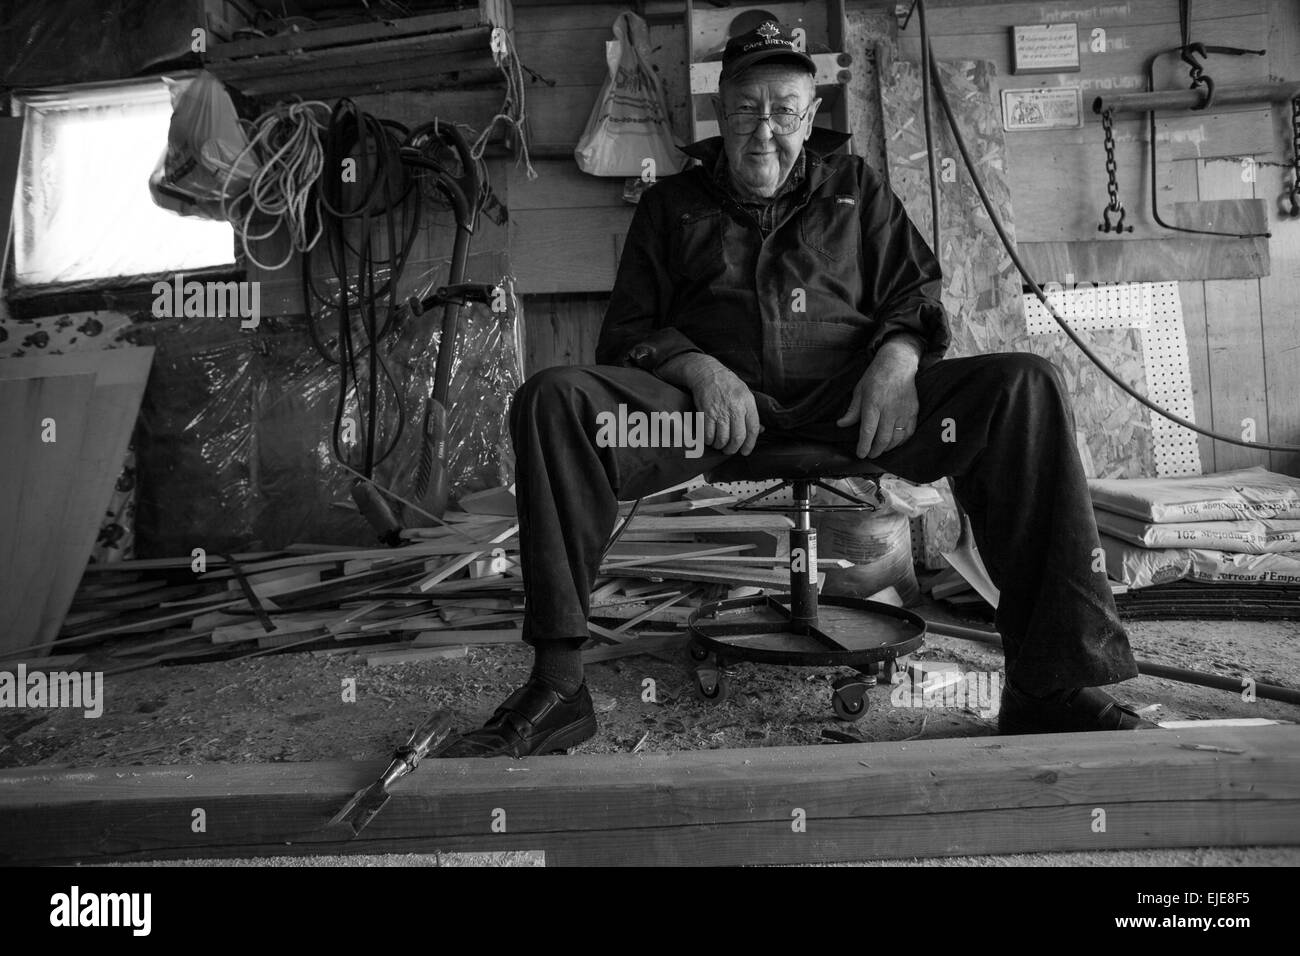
pixel 1241 330
pixel 1243 338
pixel 566 227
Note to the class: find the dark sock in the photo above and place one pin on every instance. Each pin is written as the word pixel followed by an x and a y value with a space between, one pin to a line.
pixel 559 663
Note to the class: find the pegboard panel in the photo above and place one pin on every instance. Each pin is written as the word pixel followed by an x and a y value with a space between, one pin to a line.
pixel 1125 305
pixel 1154 309
pixel 743 489
pixel 1169 383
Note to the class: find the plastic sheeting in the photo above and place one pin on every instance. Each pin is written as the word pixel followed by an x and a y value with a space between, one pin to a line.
pixel 236 439
pixel 79 41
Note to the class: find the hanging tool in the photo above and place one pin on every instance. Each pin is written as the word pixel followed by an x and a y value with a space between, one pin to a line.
pixel 1289 203
pixel 456 178
pixel 368 801
pixel 368 222
pixel 1112 187
pixel 437 157
pixel 1188 53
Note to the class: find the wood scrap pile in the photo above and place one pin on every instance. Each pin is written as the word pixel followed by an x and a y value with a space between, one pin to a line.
pixel 950 587
pixel 447 588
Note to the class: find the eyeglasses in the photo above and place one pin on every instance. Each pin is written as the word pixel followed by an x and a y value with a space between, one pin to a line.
pixel 783 121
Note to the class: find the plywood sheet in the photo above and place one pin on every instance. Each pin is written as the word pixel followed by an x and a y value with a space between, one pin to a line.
pixel 67 489
pixel 982 289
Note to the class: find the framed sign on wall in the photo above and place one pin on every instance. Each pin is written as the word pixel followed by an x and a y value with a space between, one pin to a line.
pixel 1045 48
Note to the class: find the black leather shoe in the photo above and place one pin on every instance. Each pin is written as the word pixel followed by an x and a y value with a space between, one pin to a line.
pixel 1069 711
pixel 535 719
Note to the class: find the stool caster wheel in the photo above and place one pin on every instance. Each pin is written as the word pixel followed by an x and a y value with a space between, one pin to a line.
pixel 696 653
pixel 711 685
pixel 849 698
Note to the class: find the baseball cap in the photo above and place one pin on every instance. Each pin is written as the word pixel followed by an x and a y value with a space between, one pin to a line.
pixel 769 41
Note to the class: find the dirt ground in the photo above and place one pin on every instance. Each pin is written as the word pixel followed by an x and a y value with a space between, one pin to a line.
pixel 291 707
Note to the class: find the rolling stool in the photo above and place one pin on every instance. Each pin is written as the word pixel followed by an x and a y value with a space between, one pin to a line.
pixel 800 628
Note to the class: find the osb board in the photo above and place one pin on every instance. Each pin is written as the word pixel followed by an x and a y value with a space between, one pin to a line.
pixel 982 288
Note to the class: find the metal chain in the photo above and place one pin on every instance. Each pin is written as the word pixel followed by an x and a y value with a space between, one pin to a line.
pixel 1291 201
pixel 1112 186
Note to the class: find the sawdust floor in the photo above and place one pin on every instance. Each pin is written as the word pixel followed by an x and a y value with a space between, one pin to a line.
pixel 290 706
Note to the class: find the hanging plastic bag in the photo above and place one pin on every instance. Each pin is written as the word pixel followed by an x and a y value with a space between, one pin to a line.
pixel 206 163
pixel 629 123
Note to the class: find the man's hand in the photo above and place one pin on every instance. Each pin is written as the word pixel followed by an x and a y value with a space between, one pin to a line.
pixel 884 401
pixel 730 416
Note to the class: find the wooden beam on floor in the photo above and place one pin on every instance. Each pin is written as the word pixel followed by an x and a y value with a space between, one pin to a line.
pixel 974 795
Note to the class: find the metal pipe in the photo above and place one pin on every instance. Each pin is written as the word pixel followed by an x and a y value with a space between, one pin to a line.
pixel 1189 99
pixel 803 562
pixel 1147 668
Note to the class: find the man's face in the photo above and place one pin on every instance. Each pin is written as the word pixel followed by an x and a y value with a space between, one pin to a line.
pixel 761 160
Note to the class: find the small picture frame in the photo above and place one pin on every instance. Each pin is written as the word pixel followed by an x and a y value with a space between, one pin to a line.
pixel 1045 48
pixel 1054 107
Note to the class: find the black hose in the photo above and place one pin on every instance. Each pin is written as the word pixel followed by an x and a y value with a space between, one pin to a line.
pixel 1287 695
pixel 382 193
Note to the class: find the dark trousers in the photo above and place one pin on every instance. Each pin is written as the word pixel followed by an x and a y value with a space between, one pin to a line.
pixel 999 426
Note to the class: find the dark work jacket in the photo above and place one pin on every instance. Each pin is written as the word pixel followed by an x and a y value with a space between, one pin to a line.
pixel 697 275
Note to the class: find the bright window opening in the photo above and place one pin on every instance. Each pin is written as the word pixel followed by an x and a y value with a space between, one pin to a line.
pixel 83 210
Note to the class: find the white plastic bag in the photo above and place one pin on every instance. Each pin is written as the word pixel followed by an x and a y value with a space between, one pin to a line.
pixel 206 163
pixel 629 124
pixel 879 543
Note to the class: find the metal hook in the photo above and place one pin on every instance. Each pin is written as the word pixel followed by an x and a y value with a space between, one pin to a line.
pixel 1188 54
pixel 1208 83
pixel 1118 226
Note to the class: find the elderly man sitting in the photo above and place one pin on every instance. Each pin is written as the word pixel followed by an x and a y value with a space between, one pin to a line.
pixel 782 291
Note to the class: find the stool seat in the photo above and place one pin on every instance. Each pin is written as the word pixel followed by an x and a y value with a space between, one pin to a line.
pixel 793 460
